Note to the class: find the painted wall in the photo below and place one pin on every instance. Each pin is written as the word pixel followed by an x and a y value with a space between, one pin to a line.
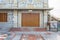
pixel 9 23
pixel 23 3
pixel 14 17
pixel 30 4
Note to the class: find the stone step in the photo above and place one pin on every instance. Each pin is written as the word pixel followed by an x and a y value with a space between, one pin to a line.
pixel 27 29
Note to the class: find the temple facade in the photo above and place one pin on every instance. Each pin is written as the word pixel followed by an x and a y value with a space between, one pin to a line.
pixel 24 13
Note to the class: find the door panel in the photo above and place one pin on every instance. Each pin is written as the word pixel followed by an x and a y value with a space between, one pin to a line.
pixel 30 19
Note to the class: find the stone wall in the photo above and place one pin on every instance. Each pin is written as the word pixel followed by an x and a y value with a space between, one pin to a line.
pixel 13 16
pixel 9 22
pixel 23 4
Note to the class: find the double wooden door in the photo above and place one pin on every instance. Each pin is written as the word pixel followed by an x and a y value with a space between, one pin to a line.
pixel 30 19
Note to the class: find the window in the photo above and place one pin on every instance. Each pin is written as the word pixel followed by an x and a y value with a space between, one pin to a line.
pixel 3 17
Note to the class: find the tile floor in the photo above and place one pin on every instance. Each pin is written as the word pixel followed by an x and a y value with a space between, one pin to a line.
pixel 32 37
pixel 29 34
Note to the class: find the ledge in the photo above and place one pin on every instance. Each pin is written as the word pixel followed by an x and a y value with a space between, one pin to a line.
pixel 22 9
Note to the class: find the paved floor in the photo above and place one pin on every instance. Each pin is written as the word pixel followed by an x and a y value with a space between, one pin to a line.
pixel 28 34
pixel 32 36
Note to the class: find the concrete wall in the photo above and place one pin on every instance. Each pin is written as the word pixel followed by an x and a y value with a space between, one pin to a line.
pixel 23 4
pixel 9 23
pixel 30 4
pixel 45 4
pixel 14 17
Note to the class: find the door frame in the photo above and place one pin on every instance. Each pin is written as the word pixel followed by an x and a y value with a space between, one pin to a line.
pixel 41 18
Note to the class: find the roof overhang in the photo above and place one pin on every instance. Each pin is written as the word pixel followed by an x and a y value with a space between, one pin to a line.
pixel 22 9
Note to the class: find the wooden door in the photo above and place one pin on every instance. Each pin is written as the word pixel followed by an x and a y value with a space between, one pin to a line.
pixel 30 19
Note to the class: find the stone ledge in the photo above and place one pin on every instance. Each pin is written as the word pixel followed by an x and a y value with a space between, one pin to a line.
pixel 22 9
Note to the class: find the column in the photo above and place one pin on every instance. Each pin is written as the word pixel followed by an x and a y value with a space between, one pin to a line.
pixel 15 18
pixel 19 19
pixel 45 18
pixel 41 19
